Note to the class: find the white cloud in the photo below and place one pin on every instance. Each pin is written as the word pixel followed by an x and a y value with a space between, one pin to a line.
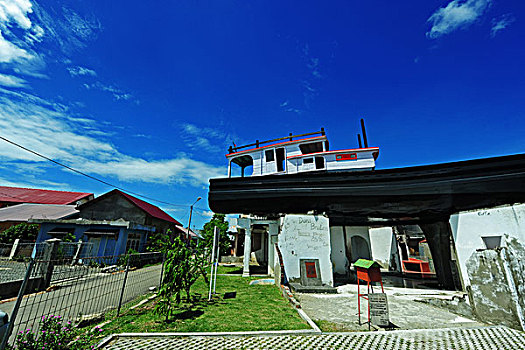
pixel 501 23
pixel 204 213
pixel 206 139
pixel 80 71
pixel 11 81
pixel 16 11
pixel 456 15
pixel 66 28
pixel 9 52
pixel 36 182
pixel 37 124
pixel 17 34
pixel 117 93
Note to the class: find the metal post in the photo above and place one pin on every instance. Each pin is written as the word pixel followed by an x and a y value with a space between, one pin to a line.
pixel 123 285
pixel 216 257
pixel 162 270
pixel 19 298
pixel 215 229
pixel 188 230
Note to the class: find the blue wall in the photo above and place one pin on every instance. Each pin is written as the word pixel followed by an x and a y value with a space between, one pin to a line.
pixel 107 247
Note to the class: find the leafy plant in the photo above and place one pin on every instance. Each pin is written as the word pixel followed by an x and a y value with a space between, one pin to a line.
pixel 55 334
pixel 159 242
pixel 68 237
pixel 23 231
pixel 182 269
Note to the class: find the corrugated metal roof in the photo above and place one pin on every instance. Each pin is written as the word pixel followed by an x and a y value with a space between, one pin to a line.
pixel 24 212
pixel 149 208
pixel 32 195
pixel 185 231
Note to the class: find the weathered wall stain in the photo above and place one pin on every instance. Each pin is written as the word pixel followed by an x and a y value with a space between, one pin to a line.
pixel 497 278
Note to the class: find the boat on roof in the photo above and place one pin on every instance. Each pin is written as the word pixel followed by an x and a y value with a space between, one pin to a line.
pixel 298 154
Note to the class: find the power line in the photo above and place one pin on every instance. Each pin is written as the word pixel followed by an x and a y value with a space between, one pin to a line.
pixel 87 175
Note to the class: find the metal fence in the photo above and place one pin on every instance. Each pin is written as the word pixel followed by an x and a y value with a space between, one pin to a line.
pixel 22 250
pixel 14 259
pixel 18 249
pixel 79 289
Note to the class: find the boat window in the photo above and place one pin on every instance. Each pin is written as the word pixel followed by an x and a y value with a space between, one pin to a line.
pixel 269 155
pixel 245 163
pixel 308 161
pixel 312 147
pixel 279 154
pixel 319 162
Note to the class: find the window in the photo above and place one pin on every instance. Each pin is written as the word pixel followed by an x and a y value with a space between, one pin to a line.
pixel 244 162
pixel 308 161
pixel 313 147
pixel 269 155
pixel 133 242
pixel 319 162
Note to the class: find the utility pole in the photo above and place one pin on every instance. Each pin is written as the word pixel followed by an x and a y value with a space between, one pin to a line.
pixel 189 222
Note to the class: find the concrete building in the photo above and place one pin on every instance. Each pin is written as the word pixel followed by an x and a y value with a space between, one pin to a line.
pixel 113 223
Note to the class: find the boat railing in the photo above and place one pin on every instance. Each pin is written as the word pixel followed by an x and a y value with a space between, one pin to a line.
pixel 290 137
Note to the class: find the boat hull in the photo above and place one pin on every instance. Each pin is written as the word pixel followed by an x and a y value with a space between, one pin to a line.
pixel 390 195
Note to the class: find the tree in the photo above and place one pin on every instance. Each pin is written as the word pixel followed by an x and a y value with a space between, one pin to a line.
pixel 218 220
pixel 23 231
pixel 159 241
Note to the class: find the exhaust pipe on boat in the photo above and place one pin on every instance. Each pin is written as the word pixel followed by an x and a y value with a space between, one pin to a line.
pixel 365 140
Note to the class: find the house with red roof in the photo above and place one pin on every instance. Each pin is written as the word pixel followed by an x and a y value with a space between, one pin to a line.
pixel 17 195
pixel 113 223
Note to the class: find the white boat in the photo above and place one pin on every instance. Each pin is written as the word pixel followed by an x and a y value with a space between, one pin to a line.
pixel 298 154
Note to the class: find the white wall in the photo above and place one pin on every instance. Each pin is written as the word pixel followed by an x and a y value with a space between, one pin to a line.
pixel 361 231
pixel 337 250
pixel 469 227
pixel 381 245
pixel 306 237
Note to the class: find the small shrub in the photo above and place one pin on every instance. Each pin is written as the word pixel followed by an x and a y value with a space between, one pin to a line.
pixel 23 231
pixel 55 334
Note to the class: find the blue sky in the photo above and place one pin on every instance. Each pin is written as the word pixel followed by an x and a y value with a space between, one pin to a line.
pixel 149 95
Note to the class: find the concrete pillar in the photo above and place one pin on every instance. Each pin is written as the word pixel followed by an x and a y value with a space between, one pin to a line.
pixel 49 261
pixel 438 237
pixel 273 231
pixel 14 248
pixel 247 250
pixel 77 253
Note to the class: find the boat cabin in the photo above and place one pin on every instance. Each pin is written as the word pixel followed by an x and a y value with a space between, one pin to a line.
pixel 298 154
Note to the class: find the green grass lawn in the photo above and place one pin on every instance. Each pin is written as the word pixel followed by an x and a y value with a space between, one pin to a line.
pixel 230 270
pixel 255 308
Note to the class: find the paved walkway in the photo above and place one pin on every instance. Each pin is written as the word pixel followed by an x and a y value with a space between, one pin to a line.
pixel 405 312
pixel 457 338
